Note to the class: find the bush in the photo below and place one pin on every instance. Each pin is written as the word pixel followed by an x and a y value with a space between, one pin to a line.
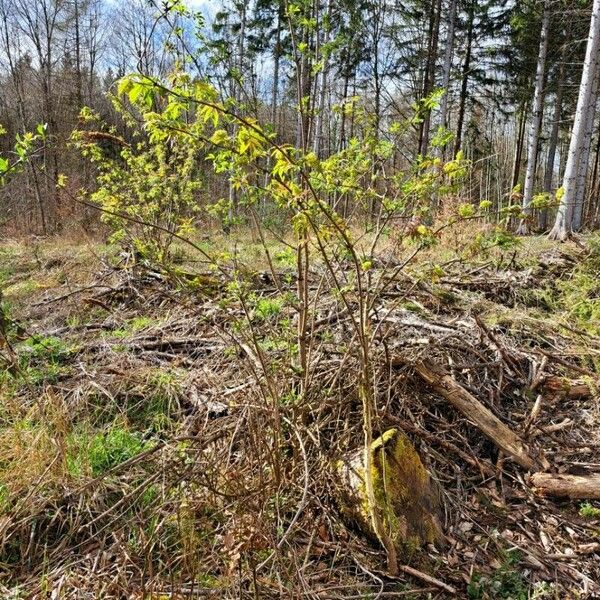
pixel 148 191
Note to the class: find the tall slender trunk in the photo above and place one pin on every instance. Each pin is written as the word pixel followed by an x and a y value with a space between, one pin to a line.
pixel 276 67
pixel 582 171
pixel 237 96
pixel 318 133
pixel 447 69
pixel 275 89
pixel 593 203
pixel 303 90
pixel 346 85
pixel 78 73
pixel 464 88
pixel 377 19
pixel 429 79
pixel 536 123
pixel 519 143
pixel 553 142
pixel 564 217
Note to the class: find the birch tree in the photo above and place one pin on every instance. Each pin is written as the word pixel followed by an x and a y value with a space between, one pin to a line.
pixel 536 123
pixel 553 142
pixel 564 217
pixel 584 160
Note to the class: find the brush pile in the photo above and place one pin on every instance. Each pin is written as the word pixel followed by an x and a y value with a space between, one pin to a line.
pixel 142 454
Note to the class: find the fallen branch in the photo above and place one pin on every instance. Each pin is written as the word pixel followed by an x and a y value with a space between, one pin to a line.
pixel 582 487
pixel 427 578
pixel 499 433
pixel 559 386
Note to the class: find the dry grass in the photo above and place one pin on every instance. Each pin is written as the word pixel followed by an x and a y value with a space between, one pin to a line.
pixel 142 454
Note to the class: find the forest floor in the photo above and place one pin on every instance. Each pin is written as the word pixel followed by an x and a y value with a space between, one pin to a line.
pixel 134 458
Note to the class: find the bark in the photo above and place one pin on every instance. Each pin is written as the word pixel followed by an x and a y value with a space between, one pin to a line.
pixel 564 218
pixel 237 94
pixel 582 171
pixel 318 134
pixel 536 123
pixel 304 85
pixel 558 386
pixel 276 68
pixel 429 79
pixel 78 72
pixel 342 138
pixel 447 68
pixel 465 79
pixel 553 142
pixel 593 205
pixel 519 145
pixel 576 487
pixel 494 429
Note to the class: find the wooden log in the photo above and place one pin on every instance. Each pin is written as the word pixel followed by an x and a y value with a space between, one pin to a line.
pixel 577 487
pixel 490 425
pixel 559 386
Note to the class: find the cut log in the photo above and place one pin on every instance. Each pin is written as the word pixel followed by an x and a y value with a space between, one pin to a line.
pixel 577 487
pixel 407 499
pixel 490 425
pixel 559 386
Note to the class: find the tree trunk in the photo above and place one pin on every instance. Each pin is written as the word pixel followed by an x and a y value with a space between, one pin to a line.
pixel 519 145
pixel 303 91
pixel 465 79
pixel 564 218
pixel 553 142
pixel 342 137
pixel 536 123
pixel 318 133
pixel 429 79
pixel 447 69
pixel 78 72
pixel 276 68
pixel 237 95
pixel 593 204
pixel 582 171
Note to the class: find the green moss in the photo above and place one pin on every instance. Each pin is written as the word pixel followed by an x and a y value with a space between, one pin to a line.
pixel 405 497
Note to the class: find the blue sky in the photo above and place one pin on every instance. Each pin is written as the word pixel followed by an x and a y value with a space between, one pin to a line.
pixel 206 6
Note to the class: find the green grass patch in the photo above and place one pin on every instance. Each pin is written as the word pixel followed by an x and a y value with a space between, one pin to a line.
pixel 43 359
pixel 589 511
pixel 96 453
pixel 133 326
pixel 149 403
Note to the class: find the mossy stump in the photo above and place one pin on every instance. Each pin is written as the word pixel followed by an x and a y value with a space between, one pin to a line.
pixel 408 501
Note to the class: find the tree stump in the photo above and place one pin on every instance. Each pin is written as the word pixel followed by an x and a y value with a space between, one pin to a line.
pixel 408 502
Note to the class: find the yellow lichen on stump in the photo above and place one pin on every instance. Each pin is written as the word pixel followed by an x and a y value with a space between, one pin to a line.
pixel 407 500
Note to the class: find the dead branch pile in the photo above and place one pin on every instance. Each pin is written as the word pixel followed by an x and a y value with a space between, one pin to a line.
pixel 236 495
